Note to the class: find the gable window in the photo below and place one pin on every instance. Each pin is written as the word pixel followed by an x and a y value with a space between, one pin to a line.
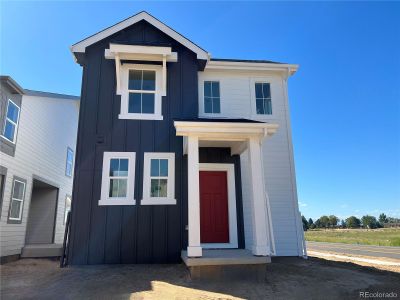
pixel 263 98
pixel 11 122
pixel 159 179
pixel 17 200
pixel 118 178
pixel 212 100
pixel 67 207
pixel 70 162
pixel 141 92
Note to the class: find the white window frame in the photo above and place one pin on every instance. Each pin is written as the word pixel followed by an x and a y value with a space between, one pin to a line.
pixel 65 208
pixel 105 180
pixel 12 122
pixel 71 163
pixel 170 199
pixel 15 199
pixel 253 82
pixel 125 68
pixel 202 98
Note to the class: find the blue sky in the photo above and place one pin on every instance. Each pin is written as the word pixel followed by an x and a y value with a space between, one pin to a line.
pixel 345 98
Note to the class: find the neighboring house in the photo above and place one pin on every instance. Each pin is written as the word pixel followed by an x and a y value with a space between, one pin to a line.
pixel 178 151
pixel 37 142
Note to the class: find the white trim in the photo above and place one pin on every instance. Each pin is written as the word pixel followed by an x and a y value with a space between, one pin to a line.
pixel 233 237
pixel 254 114
pixel 202 98
pixel 12 122
pixel 81 46
pixel 124 89
pixel 170 199
pixel 105 180
pixel 16 199
pixel 251 66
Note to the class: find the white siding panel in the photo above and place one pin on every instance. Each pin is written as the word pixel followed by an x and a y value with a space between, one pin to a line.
pixel 237 101
pixel 47 127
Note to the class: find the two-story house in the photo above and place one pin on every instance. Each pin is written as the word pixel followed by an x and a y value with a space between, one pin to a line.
pixel 37 144
pixel 180 153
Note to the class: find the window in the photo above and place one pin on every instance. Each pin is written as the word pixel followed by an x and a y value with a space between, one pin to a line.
pixel 70 162
pixel 211 97
pixel 263 98
pixel 141 95
pixel 11 122
pixel 17 200
pixel 159 179
pixel 118 180
pixel 67 208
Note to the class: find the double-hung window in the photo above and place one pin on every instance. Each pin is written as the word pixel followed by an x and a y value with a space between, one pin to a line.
pixel 17 200
pixel 212 101
pixel 263 98
pixel 118 179
pixel 11 122
pixel 70 162
pixel 141 95
pixel 159 179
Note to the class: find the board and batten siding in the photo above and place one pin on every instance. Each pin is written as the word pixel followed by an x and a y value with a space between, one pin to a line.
pixel 237 101
pixel 130 233
pixel 47 127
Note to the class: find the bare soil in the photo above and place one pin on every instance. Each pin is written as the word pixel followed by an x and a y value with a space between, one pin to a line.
pixel 288 278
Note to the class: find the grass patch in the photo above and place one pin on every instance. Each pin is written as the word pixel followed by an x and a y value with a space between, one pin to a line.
pixel 379 237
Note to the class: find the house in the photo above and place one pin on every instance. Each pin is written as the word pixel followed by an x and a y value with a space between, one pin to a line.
pixel 37 144
pixel 180 153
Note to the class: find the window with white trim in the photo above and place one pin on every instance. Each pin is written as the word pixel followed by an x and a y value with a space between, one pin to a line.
pixel 141 92
pixel 17 200
pixel 263 98
pixel 158 178
pixel 118 178
pixel 212 101
pixel 67 207
pixel 11 122
pixel 69 162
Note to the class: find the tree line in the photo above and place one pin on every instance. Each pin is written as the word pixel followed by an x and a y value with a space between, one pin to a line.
pixel 332 221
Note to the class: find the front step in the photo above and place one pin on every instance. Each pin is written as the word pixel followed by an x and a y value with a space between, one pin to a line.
pixel 41 250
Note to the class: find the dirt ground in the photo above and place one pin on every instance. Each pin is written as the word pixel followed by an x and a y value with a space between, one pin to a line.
pixel 288 278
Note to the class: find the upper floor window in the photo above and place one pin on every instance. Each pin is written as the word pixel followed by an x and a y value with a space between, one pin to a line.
pixel 263 98
pixel 212 100
pixel 118 179
pixel 11 122
pixel 70 162
pixel 141 92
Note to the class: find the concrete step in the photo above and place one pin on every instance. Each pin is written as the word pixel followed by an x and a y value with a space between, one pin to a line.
pixel 41 250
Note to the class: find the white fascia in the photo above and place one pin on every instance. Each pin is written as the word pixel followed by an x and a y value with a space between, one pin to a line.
pixel 251 66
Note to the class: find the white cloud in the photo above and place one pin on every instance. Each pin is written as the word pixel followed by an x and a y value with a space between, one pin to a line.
pixel 302 204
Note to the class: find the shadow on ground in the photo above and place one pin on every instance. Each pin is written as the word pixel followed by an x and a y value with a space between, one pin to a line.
pixel 287 278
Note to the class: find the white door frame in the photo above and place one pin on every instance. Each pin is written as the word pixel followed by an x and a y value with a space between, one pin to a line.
pixel 232 216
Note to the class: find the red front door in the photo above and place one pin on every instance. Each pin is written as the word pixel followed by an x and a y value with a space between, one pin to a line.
pixel 214 221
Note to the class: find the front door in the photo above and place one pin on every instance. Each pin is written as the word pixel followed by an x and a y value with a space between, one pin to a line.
pixel 214 220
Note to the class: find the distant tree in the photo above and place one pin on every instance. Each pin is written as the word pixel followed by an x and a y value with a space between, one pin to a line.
pixel 343 224
pixel 305 223
pixel 382 219
pixel 369 222
pixel 317 224
pixel 353 222
pixel 333 220
pixel 393 220
pixel 324 221
pixel 310 222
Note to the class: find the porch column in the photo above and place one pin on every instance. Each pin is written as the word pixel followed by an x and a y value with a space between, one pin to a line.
pixel 259 210
pixel 194 248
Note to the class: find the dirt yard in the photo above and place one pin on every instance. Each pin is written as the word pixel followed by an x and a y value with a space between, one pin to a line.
pixel 288 278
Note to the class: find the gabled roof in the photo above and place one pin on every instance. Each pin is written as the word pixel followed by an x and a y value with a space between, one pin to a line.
pixel 51 95
pixel 80 47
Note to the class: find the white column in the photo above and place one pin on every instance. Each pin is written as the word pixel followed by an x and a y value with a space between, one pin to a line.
pixel 194 249
pixel 259 210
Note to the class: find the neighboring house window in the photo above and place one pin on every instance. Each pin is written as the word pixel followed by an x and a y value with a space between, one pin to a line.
pixel 141 98
pixel 67 208
pixel 263 98
pixel 17 200
pixel 118 179
pixel 212 102
pixel 70 162
pixel 159 179
pixel 11 122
